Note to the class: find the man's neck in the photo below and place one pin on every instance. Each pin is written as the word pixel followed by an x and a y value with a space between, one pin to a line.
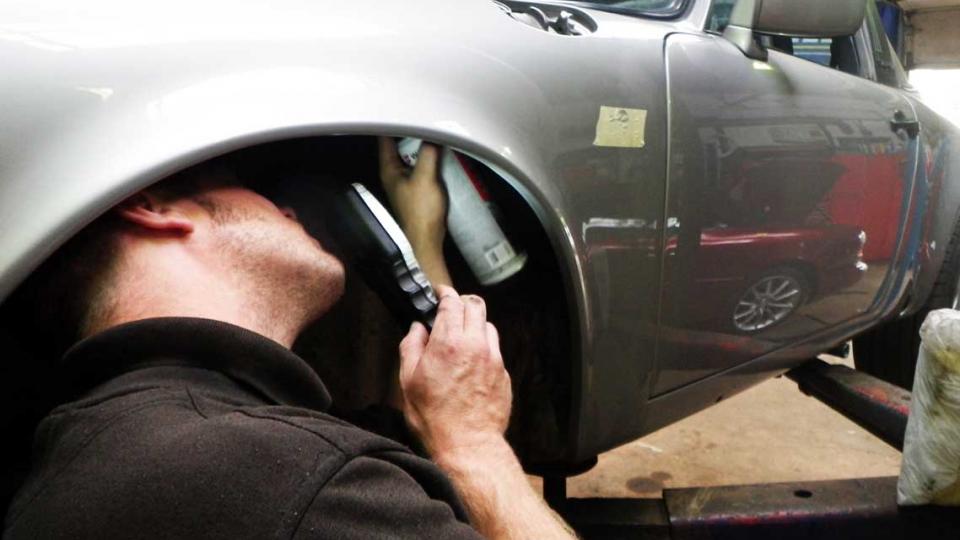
pixel 155 292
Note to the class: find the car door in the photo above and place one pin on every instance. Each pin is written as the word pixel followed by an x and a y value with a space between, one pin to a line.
pixel 787 195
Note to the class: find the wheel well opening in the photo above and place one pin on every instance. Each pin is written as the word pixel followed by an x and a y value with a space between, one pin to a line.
pixel 354 347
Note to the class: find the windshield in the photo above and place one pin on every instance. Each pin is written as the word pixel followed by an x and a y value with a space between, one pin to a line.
pixel 651 8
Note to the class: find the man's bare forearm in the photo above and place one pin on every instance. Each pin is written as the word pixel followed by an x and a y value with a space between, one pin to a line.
pixel 497 494
pixel 488 477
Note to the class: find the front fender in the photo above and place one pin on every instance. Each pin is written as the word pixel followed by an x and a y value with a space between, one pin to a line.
pixel 91 122
pixel 102 98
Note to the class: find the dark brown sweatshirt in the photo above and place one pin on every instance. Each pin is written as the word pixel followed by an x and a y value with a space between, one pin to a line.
pixel 192 428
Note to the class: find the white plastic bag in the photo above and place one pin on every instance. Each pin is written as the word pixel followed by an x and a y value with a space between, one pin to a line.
pixel 930 472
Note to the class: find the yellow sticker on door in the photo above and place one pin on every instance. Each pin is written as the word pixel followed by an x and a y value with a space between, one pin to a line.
pixel 620 127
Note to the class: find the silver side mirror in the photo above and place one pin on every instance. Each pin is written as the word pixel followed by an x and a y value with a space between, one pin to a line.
pixel 795 18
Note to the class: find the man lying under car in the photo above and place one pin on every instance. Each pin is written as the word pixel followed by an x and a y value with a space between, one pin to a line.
pixel 191 417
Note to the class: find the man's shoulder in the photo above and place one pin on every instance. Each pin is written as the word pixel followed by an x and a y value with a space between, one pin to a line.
pixel 202 429
pixel 176 461
pixel 294 425
pixel 191 430
pixel 311 464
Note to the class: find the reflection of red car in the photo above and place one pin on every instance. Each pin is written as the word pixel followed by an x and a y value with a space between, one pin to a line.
pixel 758 278
pixel 868 193
pixel 746 279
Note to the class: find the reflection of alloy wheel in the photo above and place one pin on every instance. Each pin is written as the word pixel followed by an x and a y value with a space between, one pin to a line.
pixel 769 300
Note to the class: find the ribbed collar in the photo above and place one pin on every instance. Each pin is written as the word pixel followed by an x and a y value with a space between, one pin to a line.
pixel 270 368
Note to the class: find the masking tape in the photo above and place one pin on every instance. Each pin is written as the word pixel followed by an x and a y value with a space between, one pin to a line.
pixel 620 127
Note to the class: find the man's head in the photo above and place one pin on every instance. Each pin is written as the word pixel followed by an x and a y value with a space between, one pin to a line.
pixel 198 244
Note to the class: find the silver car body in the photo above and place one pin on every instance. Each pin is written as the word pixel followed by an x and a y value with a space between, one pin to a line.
pixel 102 98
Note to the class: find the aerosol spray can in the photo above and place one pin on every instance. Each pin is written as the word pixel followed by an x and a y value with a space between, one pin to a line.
pixel 470 220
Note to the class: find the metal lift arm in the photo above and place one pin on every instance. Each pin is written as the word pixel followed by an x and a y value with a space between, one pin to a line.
pixel 834 509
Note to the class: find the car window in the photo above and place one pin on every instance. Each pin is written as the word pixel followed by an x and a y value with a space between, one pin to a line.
pixel 719 15
pixel 643 8
pixel 639 5
pixel 813 49
pixel 887 65
pixel 838 53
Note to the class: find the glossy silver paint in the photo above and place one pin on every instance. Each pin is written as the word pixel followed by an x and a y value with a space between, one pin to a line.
pixel 102 98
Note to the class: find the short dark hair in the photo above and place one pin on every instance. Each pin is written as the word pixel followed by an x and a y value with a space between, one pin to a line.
pixel 55 305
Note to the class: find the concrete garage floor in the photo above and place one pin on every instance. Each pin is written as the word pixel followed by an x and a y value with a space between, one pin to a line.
pixel 770 433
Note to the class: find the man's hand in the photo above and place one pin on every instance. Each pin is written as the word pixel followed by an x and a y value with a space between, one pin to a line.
pixel 420 205
pixel 456 392
pixel 456 398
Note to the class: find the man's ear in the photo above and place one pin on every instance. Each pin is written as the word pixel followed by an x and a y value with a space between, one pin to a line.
pixel 146 211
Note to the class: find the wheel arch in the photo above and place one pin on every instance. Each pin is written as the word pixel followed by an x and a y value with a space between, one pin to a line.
pixel 49 220
pixel 18 259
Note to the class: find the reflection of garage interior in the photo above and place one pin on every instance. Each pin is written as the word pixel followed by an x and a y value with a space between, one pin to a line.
pixel 743 440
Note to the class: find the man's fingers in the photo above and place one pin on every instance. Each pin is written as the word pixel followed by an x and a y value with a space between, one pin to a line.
pixel 391 168
pixel 493 341
pixel 474 315
pixel 449 321
pixel 446 290
pixel 411 349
